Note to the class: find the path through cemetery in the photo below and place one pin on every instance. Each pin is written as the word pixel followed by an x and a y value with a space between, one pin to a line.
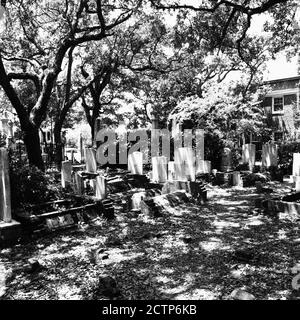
pixel 192 252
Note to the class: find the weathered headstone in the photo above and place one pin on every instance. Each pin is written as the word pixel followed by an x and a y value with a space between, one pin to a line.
pixel 135 163
pixel 249 155
pixel 159 169
pixel 203 166
pixel 296 164
pixel 186 157
pixel 66 173
pixel 101 187
pixel 79 184
pixel 226 162
pixel 5 198
pixel 237 179
pixel 137 199
pixel 171 171
pixel 90 160
pixel 200 145
pixel 297 183
pixel 269 155
pixel 80 148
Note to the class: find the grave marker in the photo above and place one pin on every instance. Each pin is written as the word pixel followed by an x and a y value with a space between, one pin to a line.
pixel 171 171
pixel 269 155
pixel 66 173
pixel 135 163
pixel 237 179
pixel 90 160
pixel 226 163
pixel 79 184
pixel 101 187
pixel 159 169
pixel 248 156
pixel 5 197
pixel 296 164
pixel 203 167
pixel 186 156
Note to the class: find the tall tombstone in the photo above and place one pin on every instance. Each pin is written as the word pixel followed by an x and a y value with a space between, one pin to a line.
pixel 200 144
pixel 237 179
pixel 297 184
pixel 296 164
pixel 5 198
pixel 203 167
pixel 226 162
pixel 171 171
pixel 135 163
pixel 159 169
pixel 269 155
pixel 90 160
pixel 186 156
pixel 66 173
pixel 101 187
pixel 80 148
pixel 79 183
pixel 5 126
pixel 248 156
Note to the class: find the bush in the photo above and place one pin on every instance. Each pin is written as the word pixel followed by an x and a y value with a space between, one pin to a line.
pixel 250 178
pixel 30 186
pixel 285 155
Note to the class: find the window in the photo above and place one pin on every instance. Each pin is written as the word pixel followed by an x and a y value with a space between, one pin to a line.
pixel 278 105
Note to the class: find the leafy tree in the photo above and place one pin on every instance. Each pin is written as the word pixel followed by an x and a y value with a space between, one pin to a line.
pixel 38 37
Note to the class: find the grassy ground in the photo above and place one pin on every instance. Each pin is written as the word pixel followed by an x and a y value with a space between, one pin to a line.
pixel 191 253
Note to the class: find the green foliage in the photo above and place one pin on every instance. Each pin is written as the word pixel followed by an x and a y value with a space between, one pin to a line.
pixel 29 185
pixel 2 140
pixel 250 178
pixel 285 155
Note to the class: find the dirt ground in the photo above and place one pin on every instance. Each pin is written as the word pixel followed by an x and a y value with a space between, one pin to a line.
pixel 195 252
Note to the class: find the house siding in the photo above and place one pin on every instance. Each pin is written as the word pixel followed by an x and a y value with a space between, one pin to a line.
pixel 286 120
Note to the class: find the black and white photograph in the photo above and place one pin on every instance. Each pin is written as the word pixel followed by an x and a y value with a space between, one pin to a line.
pixel 149 151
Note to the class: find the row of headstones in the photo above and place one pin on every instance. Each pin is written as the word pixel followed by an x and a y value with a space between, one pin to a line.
pixel 78 182
pixel 269 155
pixel 184 168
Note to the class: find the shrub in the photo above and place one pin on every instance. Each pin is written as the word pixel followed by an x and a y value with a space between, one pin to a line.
pixel 29 185
pixel 285 155
pixel 250 178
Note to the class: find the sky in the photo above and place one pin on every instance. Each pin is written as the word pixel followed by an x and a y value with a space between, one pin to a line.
pixel 280 67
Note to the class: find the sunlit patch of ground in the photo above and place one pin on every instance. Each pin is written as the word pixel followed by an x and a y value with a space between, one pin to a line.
pixel 187 255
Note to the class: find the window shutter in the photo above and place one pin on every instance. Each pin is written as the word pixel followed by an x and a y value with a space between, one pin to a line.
pixel 290 99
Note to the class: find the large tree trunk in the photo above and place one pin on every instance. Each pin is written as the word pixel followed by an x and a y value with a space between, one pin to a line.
pixel 33 147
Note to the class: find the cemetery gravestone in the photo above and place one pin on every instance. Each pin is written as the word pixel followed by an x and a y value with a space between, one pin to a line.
pixel 171 171
pixel 203 166
pixel 5 199
pixel 226 163
pixel 101 188
pixel 237 179
pixel 159 169
pixel 66 173
pixel 296 164
pixel 90 160
pixel 186 156
pixel 135 163
pixel 79 184
pixel 269 155
pixel 249 155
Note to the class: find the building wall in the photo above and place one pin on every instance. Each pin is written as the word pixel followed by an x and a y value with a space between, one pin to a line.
pixel 281 106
